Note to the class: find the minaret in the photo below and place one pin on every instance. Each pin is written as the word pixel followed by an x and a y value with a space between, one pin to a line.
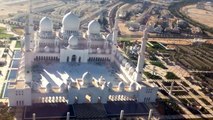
pixel 141 57
pixel 28 28
pixel 114 37
pixel 28 38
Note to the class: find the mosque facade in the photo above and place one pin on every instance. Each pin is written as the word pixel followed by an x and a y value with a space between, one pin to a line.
pixel 77 54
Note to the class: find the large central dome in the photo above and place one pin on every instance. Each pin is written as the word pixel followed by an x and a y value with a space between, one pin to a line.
pixel 46 24
pixel 70 22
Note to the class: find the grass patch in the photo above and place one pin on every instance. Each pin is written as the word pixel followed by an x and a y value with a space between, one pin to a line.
pixel 152 57
pixel 151 76
pixel 159 64
pixel 18 31
pixel 157 46
pixel 171 75
pixel 2 29
pixel 124 39
pixel 6 113
pixel 4 35
pixel 18 44
pixel 205 101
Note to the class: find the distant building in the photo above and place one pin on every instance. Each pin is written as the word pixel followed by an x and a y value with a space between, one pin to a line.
pixel 158 29
pixel 200 5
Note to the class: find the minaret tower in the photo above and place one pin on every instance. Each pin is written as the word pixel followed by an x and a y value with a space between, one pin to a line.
pixel 114 37
pixel 28 38
pixel 28 28
pixel 141 57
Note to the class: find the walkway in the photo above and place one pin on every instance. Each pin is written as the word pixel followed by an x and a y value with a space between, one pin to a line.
pixel 5 68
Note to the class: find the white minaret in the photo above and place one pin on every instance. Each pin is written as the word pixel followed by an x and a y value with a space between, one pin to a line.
pixel 141 57
pixel 28 29
pixel 27 41
pixel 115 37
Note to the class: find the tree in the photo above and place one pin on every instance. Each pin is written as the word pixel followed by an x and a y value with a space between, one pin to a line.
pixel 6 113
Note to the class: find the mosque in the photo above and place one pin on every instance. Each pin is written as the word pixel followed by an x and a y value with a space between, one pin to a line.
pixel 71 66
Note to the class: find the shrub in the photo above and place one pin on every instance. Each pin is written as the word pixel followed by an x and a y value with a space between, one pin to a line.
pixel 171 75
pixel 159 64
pixel 151 76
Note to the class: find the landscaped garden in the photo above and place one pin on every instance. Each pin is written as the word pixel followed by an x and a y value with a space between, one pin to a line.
pixel 6 113
pixel 195 57
pixel 169 107
pixel 171 75
pixel 18 44
pixel 159 64
pixel 4 35
pixel 151 76
pixel 157 46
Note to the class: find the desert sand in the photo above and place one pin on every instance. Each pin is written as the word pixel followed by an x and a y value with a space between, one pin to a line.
pixel 200 15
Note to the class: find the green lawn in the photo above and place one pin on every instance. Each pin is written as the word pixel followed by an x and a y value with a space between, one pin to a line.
pixel 157 46
pixel 159 64
pixel 2 29
pixel 124 39
pixel 18 44
pixel 4 35
pixel 171 75
pixel 6 113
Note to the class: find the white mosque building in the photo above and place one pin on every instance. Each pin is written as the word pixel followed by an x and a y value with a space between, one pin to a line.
pixel 75 67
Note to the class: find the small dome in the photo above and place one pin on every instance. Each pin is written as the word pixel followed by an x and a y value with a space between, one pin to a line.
pixel 124 61
pixel 109 84
pixel 46 24
pixel 94 27
pixel 73 41
pixel 101 80
pixel 70 22
pixel 46 49
pixel 133 86
pixel 87 77
pixel 99 50
pixel 127 65
pixel 131 70
pixel 121 86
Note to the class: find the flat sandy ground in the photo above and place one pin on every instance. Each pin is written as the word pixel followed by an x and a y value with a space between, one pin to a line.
pixel 18 6
pixel 200 15
pixel 8 8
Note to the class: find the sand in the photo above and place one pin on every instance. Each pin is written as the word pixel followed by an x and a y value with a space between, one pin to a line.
pixel 7 9
pixel 202 16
